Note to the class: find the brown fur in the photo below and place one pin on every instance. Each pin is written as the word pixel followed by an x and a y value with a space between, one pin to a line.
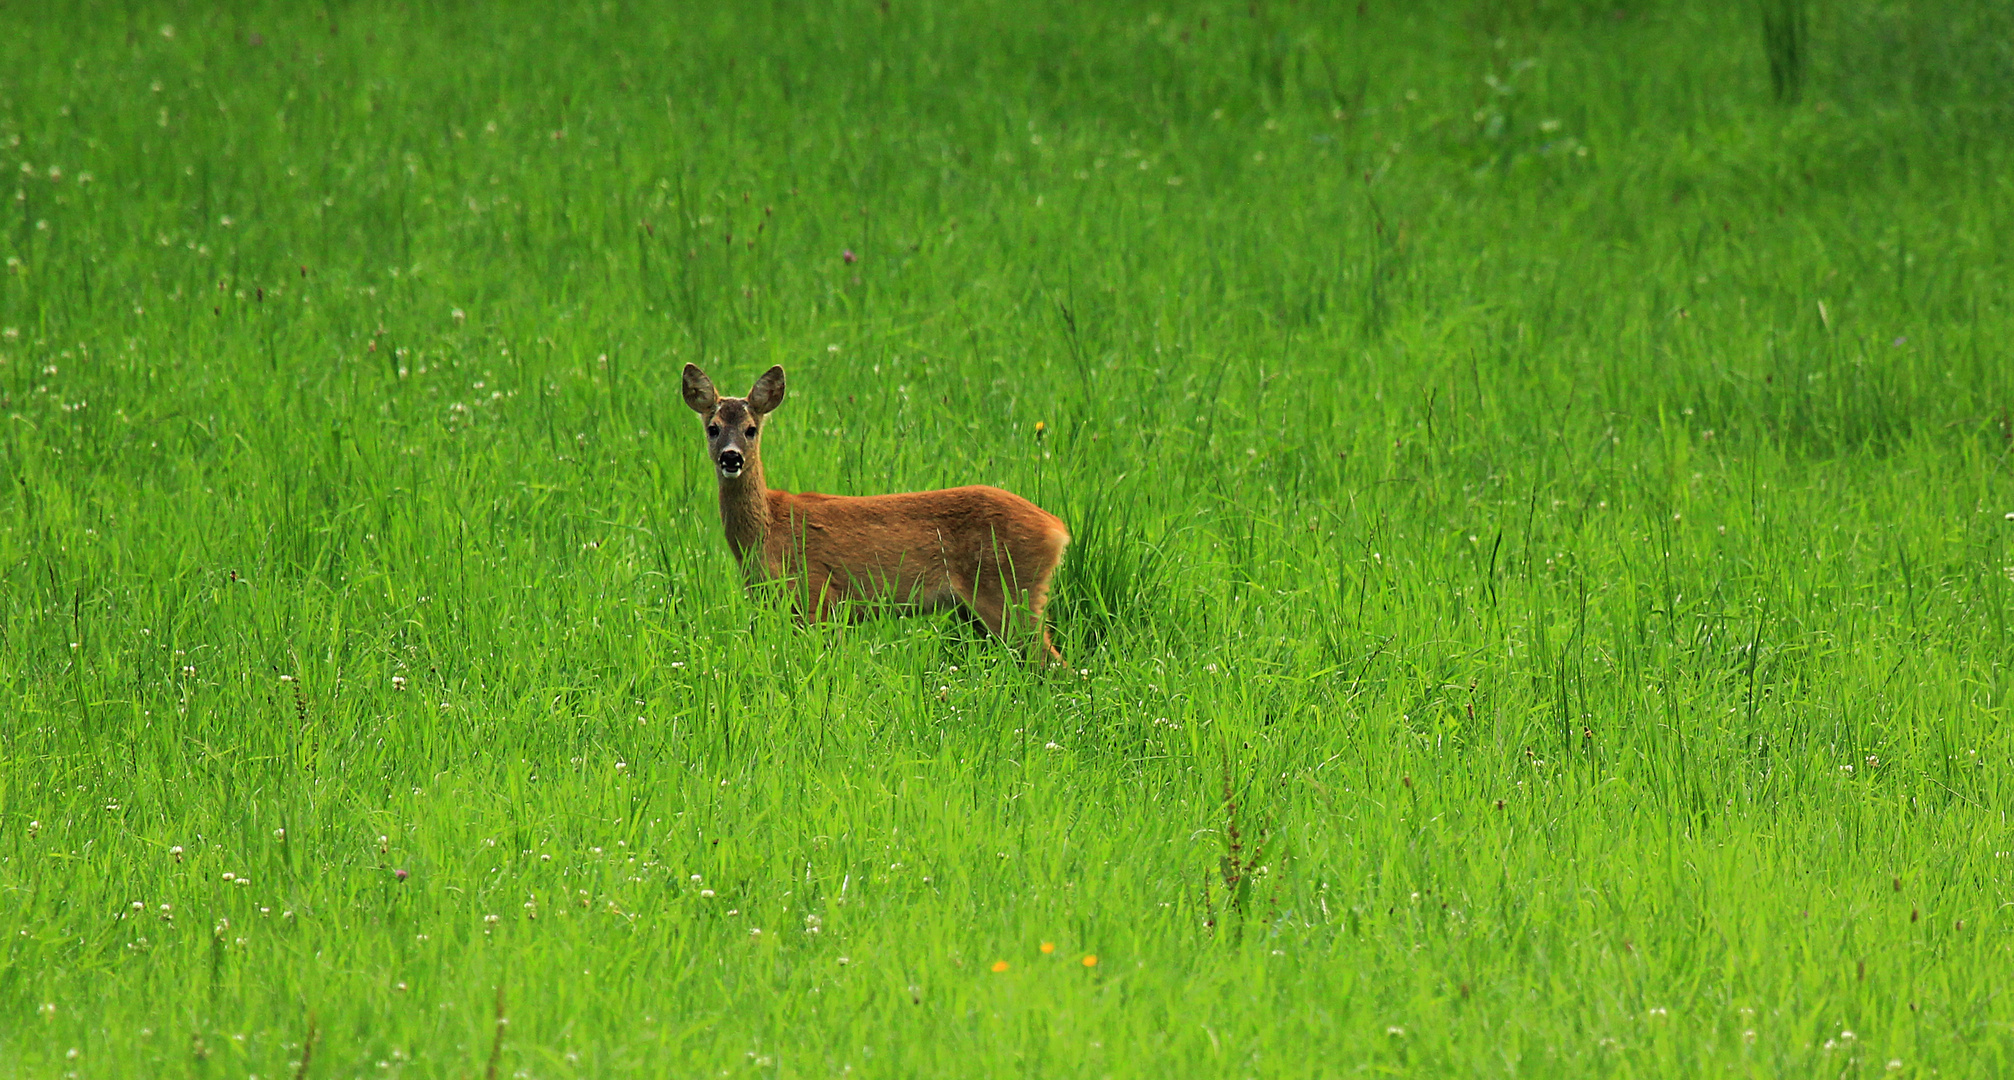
pixel 990 550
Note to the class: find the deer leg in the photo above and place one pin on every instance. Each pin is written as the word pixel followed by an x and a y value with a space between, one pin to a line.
pixel 986 600
pixel 989 596
pixel 820 596
pixel 1033 601
pixel 1038 599
pixel 1051 654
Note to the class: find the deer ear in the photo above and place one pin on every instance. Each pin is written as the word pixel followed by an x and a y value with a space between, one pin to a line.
pixel 768 391
pixel 700 396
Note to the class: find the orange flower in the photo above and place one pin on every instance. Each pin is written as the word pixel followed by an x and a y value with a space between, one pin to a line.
pixel 999 965
pixel 1091 960
pixel 1048 947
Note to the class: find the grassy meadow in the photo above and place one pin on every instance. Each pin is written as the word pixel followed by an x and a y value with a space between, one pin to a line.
pixel 1539 605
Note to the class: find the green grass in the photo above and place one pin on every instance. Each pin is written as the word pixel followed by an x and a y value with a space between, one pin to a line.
pixel 1541 485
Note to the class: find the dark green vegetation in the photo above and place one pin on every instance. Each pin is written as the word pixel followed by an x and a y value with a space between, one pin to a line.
pixel 1540 601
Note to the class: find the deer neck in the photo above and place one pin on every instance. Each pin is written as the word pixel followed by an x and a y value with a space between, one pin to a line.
pixel 744 510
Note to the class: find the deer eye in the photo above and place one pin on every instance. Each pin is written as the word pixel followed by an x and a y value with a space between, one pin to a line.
pixel 713 431
pixel 750 432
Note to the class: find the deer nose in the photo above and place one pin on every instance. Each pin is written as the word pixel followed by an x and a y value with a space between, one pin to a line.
pixel 730 460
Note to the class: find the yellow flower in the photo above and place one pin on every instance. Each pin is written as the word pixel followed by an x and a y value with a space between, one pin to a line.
pixel 1048 947
pixel 1091 960
pixel 999 965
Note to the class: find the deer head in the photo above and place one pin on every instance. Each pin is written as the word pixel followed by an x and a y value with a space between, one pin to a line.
pixel 733 425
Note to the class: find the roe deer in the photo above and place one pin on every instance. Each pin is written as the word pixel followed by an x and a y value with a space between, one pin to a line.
pixel 988 549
